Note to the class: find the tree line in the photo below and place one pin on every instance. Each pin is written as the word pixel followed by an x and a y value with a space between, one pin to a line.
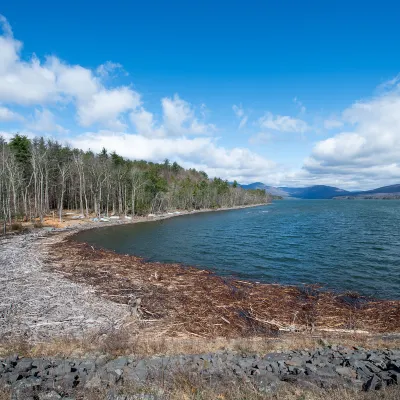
pixel 39 176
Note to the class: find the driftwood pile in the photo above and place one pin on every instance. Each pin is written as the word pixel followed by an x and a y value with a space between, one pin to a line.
pixel 175 300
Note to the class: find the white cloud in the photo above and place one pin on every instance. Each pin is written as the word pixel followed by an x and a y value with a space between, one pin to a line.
pixel 5 26
pixel 283 123
pixel 108 69
pixel 74 81
pixel 179 118
pixel 7 115
pixel 201 153
pixel 34 82
pixel 371 150
pixel 239 112
pixel 39 83
pixel 341 148
pixel 106 105
pixel 144 123
pixel 44 121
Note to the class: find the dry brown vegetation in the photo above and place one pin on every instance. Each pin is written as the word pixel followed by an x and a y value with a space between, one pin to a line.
pixel 179 301
pixel 125 342
pixel 185 388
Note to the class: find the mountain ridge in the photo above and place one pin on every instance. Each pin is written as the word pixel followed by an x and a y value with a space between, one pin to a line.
pixel 326 192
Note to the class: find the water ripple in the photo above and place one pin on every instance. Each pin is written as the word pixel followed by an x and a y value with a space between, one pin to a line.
pixel 344 245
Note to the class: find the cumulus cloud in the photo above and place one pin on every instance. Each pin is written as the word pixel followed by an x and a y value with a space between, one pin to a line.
pixel 283 123
pixel 44 121
pixel 369 151
pixel 179 118
pixel 201 152
pixel 106 105
pixel 7 115
pixel 145 125
pixel 109 68
pixel 34 82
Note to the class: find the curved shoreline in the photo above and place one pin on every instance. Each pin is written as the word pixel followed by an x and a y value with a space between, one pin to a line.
pixel 208 305
pixel 102 287
pixel 36 303
pixel 137 220
pixel 200 264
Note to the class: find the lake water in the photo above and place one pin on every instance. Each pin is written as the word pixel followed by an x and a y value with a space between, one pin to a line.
pixel 342 244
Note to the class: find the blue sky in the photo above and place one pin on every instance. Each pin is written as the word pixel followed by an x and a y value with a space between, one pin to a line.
pixel 284 92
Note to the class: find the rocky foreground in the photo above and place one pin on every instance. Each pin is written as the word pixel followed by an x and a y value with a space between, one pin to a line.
pixel 42 378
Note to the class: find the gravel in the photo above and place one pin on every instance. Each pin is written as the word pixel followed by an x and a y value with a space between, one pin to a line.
pixel 39 304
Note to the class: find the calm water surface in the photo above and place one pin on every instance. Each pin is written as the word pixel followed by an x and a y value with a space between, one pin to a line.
pixel 345 245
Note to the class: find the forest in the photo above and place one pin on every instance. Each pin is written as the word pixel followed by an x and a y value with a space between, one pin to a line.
pixel 39 176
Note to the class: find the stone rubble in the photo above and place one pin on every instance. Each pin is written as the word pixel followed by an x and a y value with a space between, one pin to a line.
pixel 47 378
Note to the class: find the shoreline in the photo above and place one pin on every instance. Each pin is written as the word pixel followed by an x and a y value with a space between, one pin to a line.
pixel 289 308
pixel 39 304
pixel 156 218
pixel 181 301
pixel 142 219
pixel 76 305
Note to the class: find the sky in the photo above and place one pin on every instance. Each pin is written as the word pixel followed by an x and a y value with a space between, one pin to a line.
pixel 289 93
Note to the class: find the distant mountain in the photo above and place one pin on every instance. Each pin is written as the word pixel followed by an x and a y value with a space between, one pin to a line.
pixel 315 192
pixel 384 192
pixel 381 190
pixel 327 192
pixel 269 189
pixel 255 185
pixel 311 192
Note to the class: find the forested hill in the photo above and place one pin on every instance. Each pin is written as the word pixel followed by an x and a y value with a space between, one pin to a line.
pixel 327 192
pixel 37 176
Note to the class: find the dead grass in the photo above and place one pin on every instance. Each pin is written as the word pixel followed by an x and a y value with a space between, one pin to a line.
pixel 287 393
pixel 185 388
pixel 178 301
pixel 118 342
pixel 5 394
